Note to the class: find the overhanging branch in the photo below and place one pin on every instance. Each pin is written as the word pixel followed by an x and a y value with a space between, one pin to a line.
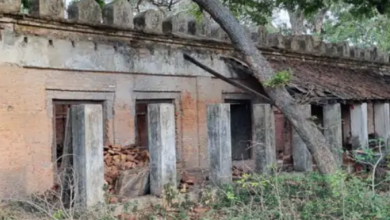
pixel 220 76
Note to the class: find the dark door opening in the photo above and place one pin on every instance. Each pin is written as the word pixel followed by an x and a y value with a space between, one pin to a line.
pixel 142 119
pixel 279 132
pixel 317 114
pixel 241 129
pixel 61 108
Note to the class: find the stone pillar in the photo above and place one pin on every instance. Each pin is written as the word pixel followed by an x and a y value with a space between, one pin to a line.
pixel 87 141
pixel 162 147
pixel 359 128
pixel 382 121
pixel 333 130
pixel 264 137
pixel 219 143
pixel 302 158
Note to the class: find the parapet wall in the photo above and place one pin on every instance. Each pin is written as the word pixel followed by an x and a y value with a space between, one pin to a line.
pixel 119 14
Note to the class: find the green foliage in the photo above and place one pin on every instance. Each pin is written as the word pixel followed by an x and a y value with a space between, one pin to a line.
pixel 363 23
pixel 361 31
pixel 358 7
pixel 195 11
pixel 101 3
pixel 27 4
pixel 258 12
pixel 313 196
pixel 281 78
pixel 59 215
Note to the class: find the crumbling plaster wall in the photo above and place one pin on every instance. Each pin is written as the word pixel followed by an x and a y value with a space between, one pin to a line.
pixel 40 64
pixel 116 62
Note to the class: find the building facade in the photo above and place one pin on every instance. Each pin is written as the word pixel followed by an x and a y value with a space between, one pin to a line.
pixel 123 62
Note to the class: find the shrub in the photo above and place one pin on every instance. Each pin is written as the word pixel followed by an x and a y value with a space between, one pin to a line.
pixel 310 196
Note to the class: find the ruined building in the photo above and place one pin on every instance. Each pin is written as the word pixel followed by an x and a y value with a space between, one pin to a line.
pixel 124 63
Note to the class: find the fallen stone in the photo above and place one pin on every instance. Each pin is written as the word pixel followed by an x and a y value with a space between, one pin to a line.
pixel 133 183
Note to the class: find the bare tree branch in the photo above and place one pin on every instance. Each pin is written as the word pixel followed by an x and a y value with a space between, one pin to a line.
pixel 220 76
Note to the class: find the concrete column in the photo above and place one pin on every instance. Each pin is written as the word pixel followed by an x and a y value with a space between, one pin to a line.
pixel 87 141
pixel 359 129
pixel 302 158
pixel 382 121
pixel 162 147
pixel 333 130
pixel 264 138
pixel 219 143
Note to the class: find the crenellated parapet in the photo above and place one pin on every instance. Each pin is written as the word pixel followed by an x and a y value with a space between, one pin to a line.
pixel 119 14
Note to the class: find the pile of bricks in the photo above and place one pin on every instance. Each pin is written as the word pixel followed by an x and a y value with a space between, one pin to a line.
pixel 117 159
pixel 187 181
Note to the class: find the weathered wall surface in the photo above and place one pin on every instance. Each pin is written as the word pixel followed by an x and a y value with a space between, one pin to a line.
pixel 124 60
pixel 25 129
pixel 40 65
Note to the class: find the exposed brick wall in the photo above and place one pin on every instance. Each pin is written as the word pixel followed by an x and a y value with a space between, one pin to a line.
pixel 26 127
pixel 123 67
pixel 26 121
pixel 25 145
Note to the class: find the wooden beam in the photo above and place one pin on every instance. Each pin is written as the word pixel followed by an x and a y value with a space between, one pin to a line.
pixel 220 76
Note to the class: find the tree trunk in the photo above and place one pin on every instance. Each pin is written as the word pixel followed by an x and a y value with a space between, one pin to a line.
pixel 319 20
pixel 310 134
pixel 297 21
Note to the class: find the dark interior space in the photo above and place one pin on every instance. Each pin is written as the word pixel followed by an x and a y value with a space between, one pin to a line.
pixel 346 126
pixel 241 129
pixel 141 109
pixel 280 138
pixel 317 114
pixel 61 111
pixel 61 108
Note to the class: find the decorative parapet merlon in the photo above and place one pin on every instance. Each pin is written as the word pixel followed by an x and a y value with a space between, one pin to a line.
pixel 118 13
pixel 275 40
pixel 149 20
pixel 301 43
pixel 10 6
pixel 217 32
pixel 176 24
pixel 87 11
pixel 307 44
pixel 47 8
pixel 200 27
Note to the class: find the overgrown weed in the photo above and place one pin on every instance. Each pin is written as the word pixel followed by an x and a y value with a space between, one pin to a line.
pixel 281 196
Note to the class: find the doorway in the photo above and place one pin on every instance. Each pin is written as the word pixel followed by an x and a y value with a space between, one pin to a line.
pixel 141 108
pixel 241 128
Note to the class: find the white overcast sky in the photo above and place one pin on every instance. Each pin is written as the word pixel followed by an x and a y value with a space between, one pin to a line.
pixel 280 17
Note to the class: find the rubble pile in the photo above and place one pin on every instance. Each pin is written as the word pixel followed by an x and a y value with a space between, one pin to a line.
pixel 187 182
pixel 118 159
